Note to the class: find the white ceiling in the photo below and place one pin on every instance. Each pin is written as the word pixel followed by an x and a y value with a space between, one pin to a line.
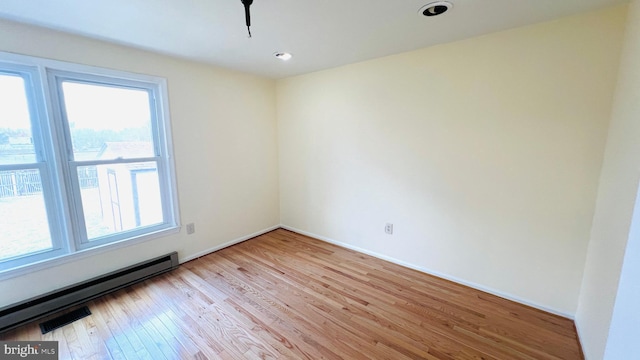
pixel 320 34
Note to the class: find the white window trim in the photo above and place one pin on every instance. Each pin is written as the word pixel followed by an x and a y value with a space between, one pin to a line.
pixel 72 250
pixel 82 254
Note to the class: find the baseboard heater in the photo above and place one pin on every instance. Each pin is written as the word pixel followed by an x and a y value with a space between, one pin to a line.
pixel 35 308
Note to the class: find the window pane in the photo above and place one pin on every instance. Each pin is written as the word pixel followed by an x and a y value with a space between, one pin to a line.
pixel 24 228
pixel 108 122
pixel 120 197
pixel 16 139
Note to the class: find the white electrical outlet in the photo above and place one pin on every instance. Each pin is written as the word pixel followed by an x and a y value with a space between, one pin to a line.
pixel 191 228
pixel 388 228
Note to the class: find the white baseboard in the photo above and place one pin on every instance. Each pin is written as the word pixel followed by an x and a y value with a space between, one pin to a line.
pixel 227 244
pixel 434 273
pixel 386 258
pixel 586 357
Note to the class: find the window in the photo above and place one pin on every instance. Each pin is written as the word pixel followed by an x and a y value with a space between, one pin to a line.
pixel 85 160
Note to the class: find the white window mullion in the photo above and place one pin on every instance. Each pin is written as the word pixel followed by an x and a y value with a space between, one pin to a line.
pixel 64 147
pixel 57 156
pixel 55 221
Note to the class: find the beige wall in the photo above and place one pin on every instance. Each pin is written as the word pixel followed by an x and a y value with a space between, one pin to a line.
pixel 484 153
pixel 224 133
pixel 616 198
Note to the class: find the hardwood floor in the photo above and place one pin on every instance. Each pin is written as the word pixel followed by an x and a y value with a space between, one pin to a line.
pixel 284 295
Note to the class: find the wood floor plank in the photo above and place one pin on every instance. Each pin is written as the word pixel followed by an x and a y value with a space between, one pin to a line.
pixel 106 336
pixel 306 324
pixel 284 295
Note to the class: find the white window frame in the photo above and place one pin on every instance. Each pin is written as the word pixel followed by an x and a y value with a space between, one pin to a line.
pixel 39 132
pixel 58 169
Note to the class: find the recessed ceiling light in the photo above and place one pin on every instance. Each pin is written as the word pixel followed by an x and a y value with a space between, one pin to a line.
pixel 284 56
pixel 435 8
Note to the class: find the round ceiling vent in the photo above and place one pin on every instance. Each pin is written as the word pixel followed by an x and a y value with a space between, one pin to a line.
pixel 435 8
pixel 284 56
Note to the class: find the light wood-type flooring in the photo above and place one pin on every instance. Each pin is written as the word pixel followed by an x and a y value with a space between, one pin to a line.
pixel 287 296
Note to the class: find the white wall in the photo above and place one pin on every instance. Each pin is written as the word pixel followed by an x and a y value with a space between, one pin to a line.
pixel 625 323
pixel 485 154
pixel 615 203
pixel 224 132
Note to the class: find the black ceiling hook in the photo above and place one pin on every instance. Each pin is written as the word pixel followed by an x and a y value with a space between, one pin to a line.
pixel 247 14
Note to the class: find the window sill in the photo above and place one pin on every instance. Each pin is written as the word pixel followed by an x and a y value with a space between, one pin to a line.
pixel 67 258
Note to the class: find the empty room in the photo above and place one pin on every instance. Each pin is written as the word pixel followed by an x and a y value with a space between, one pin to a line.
pixel 278 179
